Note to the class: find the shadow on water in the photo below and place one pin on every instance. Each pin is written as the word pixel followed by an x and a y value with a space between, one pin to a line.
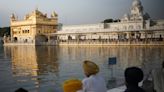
pixel 44 68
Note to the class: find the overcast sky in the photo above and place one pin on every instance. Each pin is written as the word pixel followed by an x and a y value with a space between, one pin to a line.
pixel 77 11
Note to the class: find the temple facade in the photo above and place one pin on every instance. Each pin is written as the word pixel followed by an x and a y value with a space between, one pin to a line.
pixel 33 29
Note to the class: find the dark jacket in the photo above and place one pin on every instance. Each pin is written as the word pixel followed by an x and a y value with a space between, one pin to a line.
pixel 134 89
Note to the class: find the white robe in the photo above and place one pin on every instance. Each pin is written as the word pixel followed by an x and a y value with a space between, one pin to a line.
pixel 158 80
pixel 94 83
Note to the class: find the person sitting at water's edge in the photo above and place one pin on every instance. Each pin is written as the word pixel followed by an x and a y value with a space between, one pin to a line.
pixel 158 79
pixel 93 81
pixel 133 76
pixel 21 90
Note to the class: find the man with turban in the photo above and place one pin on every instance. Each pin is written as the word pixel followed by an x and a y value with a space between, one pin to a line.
pixel 93 81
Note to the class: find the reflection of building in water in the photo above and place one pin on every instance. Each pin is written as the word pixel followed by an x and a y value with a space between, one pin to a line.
pixel 30 63
pixel 29 60
pixel 47 57
pixel 126 56
pixel 24 60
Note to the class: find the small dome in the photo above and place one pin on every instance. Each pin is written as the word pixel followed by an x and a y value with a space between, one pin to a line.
pixel 54 14
pixel 136 2
pixel 12 15
pixel 126 15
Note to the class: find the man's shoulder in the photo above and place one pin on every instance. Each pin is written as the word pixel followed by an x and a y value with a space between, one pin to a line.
pixel 88 79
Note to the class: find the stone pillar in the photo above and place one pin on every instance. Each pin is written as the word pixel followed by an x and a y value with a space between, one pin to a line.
pixel 130 37
pixel 146 37
pixel 48 39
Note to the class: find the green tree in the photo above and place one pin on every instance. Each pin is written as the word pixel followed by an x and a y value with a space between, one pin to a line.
pixel 111 20
pixel 4 31
pixel 108 21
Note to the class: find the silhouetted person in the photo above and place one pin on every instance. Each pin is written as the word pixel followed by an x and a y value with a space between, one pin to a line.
pixel 160 38
pixel 133 76
pixel 158 79
pixel 21 90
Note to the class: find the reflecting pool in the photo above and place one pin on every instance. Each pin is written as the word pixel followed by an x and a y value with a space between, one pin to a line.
pixel 44 68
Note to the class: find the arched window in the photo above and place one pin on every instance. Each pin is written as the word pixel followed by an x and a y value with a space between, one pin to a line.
pixel 138 27
pixel 124 28
pixel 131 27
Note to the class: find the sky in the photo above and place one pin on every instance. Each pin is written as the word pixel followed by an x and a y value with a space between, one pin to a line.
pixel 73 12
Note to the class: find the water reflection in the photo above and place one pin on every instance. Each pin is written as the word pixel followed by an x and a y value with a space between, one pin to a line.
pixel 44 68
pixel 30 64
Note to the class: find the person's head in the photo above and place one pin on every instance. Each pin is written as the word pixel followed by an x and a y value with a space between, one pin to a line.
pixel 133 75
pixel 72 85
pixel 21 90
pixel 90 68
pixel 163 64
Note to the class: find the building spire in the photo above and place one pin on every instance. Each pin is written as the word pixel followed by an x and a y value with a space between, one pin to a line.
pixel 36 8
pixel 54 14
pixel 13 17
pixel 137 10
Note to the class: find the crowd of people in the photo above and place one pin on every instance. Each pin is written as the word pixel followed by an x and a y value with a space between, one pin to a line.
pixel 94 82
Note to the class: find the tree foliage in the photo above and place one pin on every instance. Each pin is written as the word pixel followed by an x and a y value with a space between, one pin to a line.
pixel 4 31
pixel 108 21
pixel 111 20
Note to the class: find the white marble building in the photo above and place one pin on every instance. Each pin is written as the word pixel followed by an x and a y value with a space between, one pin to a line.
pixel 136 25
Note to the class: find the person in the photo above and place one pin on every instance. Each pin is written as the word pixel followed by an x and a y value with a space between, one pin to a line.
pixel 93 81
pixel 72 85
pixel 158 79
pixel 21 90
pixel 133 75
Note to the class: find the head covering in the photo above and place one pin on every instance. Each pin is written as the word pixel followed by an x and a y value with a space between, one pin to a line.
pixel 90 67
pixel 133 75
pixel 72 85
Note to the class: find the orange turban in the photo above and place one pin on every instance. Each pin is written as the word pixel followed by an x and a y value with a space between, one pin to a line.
pixel 72 85
pixel 90 67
